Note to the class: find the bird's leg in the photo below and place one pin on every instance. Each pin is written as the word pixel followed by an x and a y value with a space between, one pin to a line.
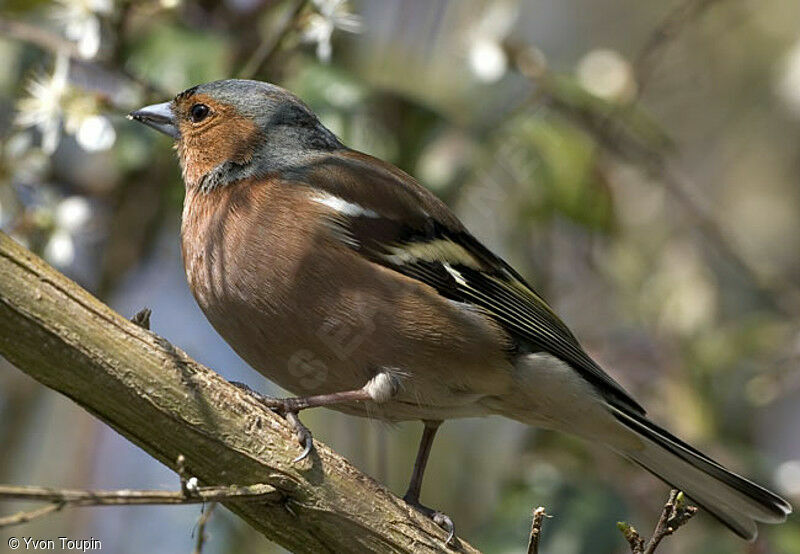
pixel 379 389
pixel 415 485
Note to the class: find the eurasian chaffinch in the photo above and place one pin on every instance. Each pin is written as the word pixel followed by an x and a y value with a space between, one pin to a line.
pixel 339 277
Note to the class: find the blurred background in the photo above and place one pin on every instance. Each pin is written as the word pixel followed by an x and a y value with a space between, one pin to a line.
pixel 639 162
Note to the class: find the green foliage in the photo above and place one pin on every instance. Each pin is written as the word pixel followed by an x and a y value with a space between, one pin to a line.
pixel 175 57
pixel 560 165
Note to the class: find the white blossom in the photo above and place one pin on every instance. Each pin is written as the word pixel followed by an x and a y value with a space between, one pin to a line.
pixel 51 103
pixel 606 74
pixel 96 133
pixel 68 217
pixel 60 249
pixel 486 55
pixel 192 484
pixel 329 16
pixel 81 23
pixel 488 60
pixel 72 213
pixel 43 108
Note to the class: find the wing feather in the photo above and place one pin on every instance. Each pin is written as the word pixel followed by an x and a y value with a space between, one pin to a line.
pixel 417 236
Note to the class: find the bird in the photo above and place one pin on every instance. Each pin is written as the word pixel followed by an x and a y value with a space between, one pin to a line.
pixel 342 279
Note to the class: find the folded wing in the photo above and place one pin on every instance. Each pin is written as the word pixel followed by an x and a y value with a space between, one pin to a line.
pixel 414 234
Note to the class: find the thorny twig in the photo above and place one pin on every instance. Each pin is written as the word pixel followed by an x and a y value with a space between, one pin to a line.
pixel 536 530
pixel 190 493
pixel 201 527
pixel 675 514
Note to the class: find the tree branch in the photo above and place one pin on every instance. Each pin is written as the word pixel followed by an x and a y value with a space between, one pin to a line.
pixel 168 404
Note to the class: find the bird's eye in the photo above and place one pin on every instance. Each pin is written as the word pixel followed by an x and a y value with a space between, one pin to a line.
pixel 199 112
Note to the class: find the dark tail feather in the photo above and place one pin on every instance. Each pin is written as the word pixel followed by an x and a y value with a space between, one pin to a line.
pixel 735 501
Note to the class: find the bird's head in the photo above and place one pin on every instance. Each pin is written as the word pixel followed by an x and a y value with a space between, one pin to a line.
pixel 230 130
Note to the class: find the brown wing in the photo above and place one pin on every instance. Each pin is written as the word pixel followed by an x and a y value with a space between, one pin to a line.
pixel 407 229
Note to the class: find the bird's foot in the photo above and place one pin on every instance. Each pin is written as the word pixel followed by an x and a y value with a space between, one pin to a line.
pixel 439 518
pixel 288 409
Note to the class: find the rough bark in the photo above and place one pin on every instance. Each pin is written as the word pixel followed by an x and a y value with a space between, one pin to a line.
pixel 168 404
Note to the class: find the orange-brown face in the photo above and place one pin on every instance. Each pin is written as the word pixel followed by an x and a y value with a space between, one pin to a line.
pixel 230 130
pixel 211 133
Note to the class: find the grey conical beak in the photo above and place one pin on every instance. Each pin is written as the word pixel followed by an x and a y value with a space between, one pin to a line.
pixel 159 117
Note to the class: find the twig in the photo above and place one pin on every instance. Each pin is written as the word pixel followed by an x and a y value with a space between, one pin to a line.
pixel 119 22
pixel 38 36
pixel 665 32
pixel 201 528
pixel 47 40
pixel 675 514
pixel 190 493
pixel 272 43
pixel 80 497
pixel 635 541
pixel 188 484
pixel 26 516
pixel 536 530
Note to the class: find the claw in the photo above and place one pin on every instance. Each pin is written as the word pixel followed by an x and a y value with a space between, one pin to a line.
pixel 283 407
pixel 440 519
pixel 309 446
pixel 444 521
pixel 303 435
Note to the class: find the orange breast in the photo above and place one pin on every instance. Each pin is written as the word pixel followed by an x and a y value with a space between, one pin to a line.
pixel 315 317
